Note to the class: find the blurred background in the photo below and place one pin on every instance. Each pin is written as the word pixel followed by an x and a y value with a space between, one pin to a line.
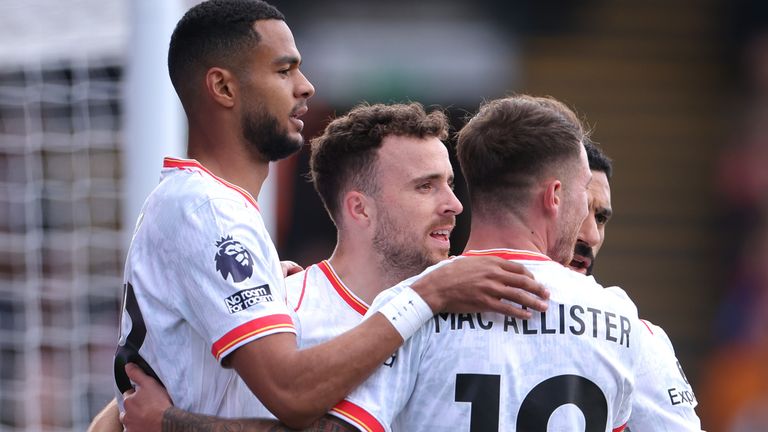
pixel 675 90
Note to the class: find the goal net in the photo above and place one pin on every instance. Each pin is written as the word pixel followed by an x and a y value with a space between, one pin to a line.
pixel 62 199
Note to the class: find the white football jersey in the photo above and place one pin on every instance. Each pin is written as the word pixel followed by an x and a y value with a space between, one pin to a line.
pixel 325 307
pixel 202 278
pixel 663 400
pixel 571 368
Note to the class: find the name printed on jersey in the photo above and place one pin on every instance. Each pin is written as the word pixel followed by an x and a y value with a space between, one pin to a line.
pixel 567 319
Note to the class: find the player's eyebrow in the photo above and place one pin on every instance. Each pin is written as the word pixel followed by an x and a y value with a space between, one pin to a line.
pixel 429 177
pixel 287 59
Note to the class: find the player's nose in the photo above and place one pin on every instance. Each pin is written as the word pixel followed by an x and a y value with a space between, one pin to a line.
pixel 588 232
pixel 452 204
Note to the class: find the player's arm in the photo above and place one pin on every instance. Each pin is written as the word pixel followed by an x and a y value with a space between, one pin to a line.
pixel 299 386
pixel 176 420
pixel 149 408
pixel 107 420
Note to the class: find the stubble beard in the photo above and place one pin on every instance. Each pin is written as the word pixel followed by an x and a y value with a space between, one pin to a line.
pixel 584 250
pixel 264 137
pixel 401 258
pixel 568 233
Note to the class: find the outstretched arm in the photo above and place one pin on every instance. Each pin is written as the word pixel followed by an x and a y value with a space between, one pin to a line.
pixel 300 386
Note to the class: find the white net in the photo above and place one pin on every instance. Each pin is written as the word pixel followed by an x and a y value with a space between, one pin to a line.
pixel 60 242
pixel 61 250
pixel 64 184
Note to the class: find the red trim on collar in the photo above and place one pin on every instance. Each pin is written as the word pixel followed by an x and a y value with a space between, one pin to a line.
pixel 170 162
pixel 509 254
pixel 303 290
pixel 342 290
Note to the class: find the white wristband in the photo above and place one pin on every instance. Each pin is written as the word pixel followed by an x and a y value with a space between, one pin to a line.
pixel 407 312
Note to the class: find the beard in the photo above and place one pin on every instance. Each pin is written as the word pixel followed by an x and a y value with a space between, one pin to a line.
pixel 400 257
pixel 266 141
pixel 568 233
pixel 584 250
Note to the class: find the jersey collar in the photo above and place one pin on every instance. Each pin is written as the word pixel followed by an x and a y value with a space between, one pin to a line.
pixel 355 303
pixel 170 162
pixel 509 254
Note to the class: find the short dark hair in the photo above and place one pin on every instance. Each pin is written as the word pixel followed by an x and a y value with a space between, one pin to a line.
pixel 343 157
pixel 510 143
pixel 598 161
pixel 214 33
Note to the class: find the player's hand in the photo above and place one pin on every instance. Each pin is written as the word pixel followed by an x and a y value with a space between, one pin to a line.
pixel 290 267
pixel 145 405
pixel 479 284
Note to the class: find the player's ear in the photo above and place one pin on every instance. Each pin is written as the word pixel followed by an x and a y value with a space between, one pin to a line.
pixel 357 208
pixel 552 197
pixel 221 86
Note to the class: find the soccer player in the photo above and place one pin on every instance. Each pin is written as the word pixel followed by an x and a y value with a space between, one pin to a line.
pixel 592 232
pixel 204 306
pixel 664 399
pixel 386 180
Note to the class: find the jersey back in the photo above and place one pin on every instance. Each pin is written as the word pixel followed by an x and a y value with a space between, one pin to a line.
pixel 570 368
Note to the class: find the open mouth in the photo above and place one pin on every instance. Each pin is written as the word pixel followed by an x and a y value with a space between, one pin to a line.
pixel 442 234
pixel 580 263
pixel 295 114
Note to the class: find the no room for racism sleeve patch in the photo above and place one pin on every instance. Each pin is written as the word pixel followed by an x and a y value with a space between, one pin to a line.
pixel 248 297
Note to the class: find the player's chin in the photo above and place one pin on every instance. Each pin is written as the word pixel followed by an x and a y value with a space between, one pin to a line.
pixel 437 255
pixel 295 138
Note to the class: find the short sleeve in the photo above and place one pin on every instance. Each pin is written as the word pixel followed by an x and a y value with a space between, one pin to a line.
pixel 233 290
pixel 663 397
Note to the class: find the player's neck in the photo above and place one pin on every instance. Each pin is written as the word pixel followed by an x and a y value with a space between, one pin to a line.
pixel 359 272
pixel 490 234
pixel 229 160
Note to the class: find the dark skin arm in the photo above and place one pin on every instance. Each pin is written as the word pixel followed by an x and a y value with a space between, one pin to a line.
pixel 176 420
pixel 149 407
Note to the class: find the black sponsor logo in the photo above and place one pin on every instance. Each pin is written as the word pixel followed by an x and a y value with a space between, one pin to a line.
pixel 246 298
pixel 234 259
pixel 679 396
